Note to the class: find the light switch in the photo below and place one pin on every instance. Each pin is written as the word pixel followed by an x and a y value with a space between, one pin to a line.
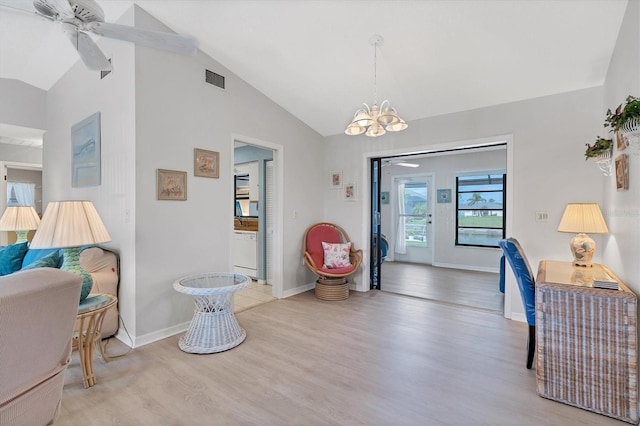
pixel 542 216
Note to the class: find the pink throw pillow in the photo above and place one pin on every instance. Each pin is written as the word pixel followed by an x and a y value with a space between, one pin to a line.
pixel 336 255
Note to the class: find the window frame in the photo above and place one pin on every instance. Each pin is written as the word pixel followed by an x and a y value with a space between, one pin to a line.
pixel 458 210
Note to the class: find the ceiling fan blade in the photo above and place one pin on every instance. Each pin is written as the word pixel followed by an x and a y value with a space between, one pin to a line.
pixel 176 43
pixel 53 8
pixel 89 51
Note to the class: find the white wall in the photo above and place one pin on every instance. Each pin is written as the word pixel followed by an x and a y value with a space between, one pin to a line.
pixel 176 111
pixel 621 209
pixel 155 109
pixel 22 104
pixel 445 168
pixel 549 170
pixel 77 95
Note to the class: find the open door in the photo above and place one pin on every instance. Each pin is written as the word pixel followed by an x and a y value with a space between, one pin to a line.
pixel 376 250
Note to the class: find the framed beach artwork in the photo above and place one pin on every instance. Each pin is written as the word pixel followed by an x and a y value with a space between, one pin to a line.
pixel 206 163
pixel 350 191
pixel 85 152
pixel 171 185
pixel 335 180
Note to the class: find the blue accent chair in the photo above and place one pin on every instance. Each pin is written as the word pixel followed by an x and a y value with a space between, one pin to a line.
pixel 526 284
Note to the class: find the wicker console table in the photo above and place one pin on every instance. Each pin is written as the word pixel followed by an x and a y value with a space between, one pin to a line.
pixel 213 328
pixel 587 342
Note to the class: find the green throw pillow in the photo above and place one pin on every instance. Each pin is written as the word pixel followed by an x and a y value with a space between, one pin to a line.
pixel 11 258
pixel 48 261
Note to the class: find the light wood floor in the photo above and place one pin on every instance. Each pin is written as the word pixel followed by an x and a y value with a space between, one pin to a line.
pixel 374 359
pixel 456 286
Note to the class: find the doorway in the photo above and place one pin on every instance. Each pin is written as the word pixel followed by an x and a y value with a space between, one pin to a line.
pixel 21 184
pixel 257 225
pixel 417 212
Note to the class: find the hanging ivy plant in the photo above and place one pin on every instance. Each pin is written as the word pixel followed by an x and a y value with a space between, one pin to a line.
pixel 631 110
pixel 600 146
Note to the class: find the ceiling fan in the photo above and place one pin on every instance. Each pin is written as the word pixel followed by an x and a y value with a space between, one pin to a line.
pixel 78 18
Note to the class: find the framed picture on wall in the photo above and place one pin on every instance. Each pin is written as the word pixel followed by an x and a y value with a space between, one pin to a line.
pixel 444 195
pixel 206 163
pixel 85 152
pixel 621 141
pixel 171 185
pixel 335 180
pixel 622 172
pixel 350 191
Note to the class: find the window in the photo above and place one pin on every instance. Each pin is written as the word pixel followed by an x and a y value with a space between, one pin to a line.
pixel 21 194
pixel 480 210
pixel 412 214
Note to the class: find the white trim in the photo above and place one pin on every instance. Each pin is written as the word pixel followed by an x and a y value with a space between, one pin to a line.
pixel 467 267
pixel 298 290
pixel 517 316
pixel 154 336
pixel 278 206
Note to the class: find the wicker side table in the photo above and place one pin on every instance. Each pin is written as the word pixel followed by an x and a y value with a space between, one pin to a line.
pixel 91 312
pixel 214 327
pixel 586 338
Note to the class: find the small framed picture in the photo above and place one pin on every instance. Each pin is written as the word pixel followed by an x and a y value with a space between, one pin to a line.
pixel 444 195
pixel 622 172
pixel 350 191
pixel 622 141
pixel 206 163
pixel 171 185
pixel 384 197
pixel 335 180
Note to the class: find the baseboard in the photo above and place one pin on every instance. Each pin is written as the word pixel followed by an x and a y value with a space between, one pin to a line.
pixel 298 290
pixel 160 334
pixel 468 267
pixel 517 316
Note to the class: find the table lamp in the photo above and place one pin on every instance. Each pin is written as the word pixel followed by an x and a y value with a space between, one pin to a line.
pixel 581 218
pixel 69 225
pixel 20 219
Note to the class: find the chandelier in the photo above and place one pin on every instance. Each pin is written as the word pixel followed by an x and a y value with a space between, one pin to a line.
pixel 377 120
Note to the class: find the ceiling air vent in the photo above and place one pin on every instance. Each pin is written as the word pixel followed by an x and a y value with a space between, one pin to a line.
pixel 213 78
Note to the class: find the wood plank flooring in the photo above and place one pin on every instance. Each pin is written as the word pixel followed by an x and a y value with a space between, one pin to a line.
pixel 373 359
pixel 455 286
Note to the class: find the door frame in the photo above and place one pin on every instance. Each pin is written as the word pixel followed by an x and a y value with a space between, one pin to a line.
pixel 429 177
pixel 278 209
pixel 507 139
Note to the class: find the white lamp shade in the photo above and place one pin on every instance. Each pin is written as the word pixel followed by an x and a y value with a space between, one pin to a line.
pixel 19 218
pixel 70 224
pixel 583 218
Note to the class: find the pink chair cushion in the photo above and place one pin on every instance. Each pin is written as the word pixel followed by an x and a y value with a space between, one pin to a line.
pixel 315 237
pixel 337 271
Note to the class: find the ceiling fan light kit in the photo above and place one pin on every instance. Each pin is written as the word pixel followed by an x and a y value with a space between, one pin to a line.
pixel 377 120
pixel 80 17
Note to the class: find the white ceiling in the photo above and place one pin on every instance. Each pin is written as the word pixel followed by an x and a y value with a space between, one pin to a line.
pixel 313 57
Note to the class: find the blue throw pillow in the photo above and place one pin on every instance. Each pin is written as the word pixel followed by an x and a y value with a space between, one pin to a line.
pixel 11 258
pixel 37 254
pixel 49 261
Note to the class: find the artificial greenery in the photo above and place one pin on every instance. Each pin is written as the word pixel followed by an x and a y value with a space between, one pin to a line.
pixel 599 147
pixel 616 119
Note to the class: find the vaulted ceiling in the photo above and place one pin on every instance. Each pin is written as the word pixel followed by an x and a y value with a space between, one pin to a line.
pixel 314 59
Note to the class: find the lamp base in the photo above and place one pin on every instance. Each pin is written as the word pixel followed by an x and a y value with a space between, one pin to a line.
pixel 71 263
pixel 582 247
pixel 21 236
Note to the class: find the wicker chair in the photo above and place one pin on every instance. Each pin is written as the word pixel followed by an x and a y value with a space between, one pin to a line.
pixel 526 283
pixel 332 279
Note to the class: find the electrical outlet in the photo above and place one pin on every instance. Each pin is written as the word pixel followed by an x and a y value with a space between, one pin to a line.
pixel 542 216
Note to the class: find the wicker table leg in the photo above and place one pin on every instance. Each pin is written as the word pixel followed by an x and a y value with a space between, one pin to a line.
pixel 214 327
